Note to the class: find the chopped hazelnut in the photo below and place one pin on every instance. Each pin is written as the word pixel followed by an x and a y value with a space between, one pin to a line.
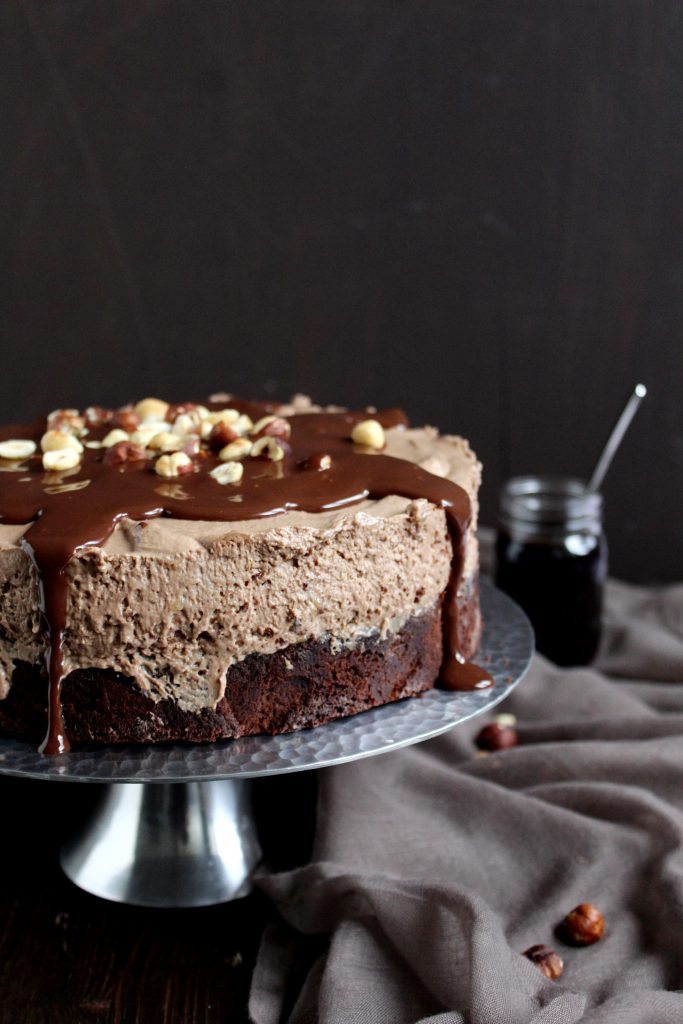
pixel 237 449
pixel 165 441
pixel 114 437
pixel 243 425
pixel 176 464
pixel 97 415
pixel 228 416
pixel 268 448
pixel 57 440
pixel 369 433
pixel 583 925
pixel 144 433
pixel 151 409
pixel 260 424
pixel 272 426
pixel 186 423
pixel 68 420
pixel 228 473
pixel 546 959
pixel 60 459
pixel 17 450
pixel 319 461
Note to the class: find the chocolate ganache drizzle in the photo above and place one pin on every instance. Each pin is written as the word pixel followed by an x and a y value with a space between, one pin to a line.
pixel 322 469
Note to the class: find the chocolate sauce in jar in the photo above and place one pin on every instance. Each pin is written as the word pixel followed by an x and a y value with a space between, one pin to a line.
pixel 321 469
pixel 551 557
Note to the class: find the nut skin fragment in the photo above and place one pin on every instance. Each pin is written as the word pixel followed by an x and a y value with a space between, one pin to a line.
pixel 496 737
pixel 17 450
pixel 60 459
pixel 546 959
pixel 176 464
pixel 58 440
pixel 151 409
pixel 583 925
pixel 370 434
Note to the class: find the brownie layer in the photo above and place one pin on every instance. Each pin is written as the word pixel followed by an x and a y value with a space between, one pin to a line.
pixel 303 685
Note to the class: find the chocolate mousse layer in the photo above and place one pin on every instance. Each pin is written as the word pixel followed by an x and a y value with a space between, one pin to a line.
pixel 301 686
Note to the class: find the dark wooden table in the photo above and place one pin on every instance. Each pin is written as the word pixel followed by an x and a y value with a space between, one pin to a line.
pixel 66 956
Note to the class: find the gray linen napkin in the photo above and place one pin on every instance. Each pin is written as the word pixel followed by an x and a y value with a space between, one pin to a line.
pixel 434 869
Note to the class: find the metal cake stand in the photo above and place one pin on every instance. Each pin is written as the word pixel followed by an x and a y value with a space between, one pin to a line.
pixel 192 841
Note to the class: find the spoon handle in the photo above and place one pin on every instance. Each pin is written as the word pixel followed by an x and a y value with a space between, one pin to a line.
pixel 616 437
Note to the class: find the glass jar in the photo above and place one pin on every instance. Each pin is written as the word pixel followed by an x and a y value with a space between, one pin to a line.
pixel 551 558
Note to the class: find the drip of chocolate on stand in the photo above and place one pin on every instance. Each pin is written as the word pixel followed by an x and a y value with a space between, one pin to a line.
pixel 74 510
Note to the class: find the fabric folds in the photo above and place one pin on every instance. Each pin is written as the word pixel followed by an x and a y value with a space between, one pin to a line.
pixel 433 868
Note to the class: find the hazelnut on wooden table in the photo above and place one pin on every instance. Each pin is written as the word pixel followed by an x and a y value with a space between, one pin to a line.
pixel 583 925
pixel 546 959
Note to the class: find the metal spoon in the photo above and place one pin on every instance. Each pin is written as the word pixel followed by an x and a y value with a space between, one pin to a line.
pixel 616 437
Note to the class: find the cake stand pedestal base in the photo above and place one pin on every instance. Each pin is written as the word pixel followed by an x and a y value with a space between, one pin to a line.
pixel 184 844
pixel 175 826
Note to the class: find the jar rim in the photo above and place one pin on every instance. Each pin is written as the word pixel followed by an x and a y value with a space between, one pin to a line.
pixel 550 500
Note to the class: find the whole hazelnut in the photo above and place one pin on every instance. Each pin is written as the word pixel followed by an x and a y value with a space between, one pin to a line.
pixel 546 959
pixel 498 735
pixel 583 925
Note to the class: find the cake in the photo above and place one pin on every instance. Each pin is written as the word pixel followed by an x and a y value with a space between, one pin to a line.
pixel 206 571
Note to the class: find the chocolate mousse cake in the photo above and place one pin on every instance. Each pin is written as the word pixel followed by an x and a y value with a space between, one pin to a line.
pixel 204 571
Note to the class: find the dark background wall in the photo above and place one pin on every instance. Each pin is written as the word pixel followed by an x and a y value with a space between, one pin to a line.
pixel 471 209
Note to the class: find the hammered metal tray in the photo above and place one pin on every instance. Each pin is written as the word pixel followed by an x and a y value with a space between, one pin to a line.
pixel 506 648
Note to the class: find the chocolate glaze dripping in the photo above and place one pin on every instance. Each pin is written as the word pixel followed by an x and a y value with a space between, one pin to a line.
pixel 79 508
